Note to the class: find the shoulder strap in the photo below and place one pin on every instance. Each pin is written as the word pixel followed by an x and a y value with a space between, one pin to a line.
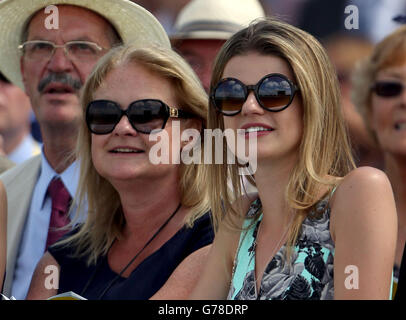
pixel 333 190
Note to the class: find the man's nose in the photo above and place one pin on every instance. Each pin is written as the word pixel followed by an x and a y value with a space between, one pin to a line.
pixel 59 62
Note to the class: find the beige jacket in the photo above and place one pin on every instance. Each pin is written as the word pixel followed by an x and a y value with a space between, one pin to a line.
pixel 19 183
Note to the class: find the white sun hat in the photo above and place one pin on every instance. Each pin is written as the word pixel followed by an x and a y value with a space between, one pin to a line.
pixel 215 19
pixel 132 22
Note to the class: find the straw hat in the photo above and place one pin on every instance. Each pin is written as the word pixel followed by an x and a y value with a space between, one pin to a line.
pixel 132 22
pixel 215 19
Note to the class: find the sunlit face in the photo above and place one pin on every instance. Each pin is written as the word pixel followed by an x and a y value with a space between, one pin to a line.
pixel 201 54
pixel 58 103
pixel 388 114
pixel 284 129
pixel 124 154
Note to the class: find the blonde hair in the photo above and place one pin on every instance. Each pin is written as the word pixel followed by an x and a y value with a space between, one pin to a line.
pixel 390 52
pixel 105 219
pixel 324 150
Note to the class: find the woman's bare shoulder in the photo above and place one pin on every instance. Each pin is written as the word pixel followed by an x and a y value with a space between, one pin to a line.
pixel 363 181
pixel 363 195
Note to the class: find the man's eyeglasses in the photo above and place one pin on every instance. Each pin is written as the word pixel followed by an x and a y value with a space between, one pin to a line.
pixel 274 92
pixel 40 50
pixel 388 88
pixel 145 115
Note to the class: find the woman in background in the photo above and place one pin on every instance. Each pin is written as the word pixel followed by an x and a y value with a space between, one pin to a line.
pixel 379 93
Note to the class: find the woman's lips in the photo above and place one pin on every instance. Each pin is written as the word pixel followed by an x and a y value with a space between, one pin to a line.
pixel 256 130
pixel 126 150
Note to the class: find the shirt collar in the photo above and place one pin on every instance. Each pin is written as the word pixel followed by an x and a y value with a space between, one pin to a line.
pixel 69 177
pixel 26 149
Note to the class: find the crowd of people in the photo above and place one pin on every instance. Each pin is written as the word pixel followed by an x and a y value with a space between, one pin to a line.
pixel 112 92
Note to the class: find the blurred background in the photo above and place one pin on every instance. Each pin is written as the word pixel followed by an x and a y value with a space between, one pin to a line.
pixel 348 29
pixel 319 17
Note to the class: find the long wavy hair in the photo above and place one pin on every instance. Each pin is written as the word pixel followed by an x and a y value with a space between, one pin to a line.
pixel 105 219
pixel 324 151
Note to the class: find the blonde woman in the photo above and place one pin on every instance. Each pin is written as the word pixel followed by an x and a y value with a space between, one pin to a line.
pixel 379 93
pixel 3 234
pixel 318 228
pixel 143 218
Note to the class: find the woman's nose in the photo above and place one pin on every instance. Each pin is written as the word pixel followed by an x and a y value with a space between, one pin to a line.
pixel 124 127
pixel 251 105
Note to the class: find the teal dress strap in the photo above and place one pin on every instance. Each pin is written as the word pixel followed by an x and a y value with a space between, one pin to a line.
pixel 244 261
pixel 309 275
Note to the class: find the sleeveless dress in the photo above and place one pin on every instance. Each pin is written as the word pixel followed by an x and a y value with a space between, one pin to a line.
pixel 309 275
pixel 144 281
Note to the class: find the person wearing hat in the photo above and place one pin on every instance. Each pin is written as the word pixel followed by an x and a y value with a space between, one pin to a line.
pixel 49 51
pixel 203 26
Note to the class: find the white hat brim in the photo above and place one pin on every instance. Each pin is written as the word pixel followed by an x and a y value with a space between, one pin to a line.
pixel 132 22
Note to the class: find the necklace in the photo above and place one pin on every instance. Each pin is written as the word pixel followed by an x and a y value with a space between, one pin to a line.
pixel 132 259
pixel 273 251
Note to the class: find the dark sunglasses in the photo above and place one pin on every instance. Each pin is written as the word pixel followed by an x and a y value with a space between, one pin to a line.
pixel 387 88
pixel 274 92
pixel 144 115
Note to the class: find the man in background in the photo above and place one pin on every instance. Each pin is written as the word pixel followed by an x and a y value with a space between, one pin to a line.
pixel 203 26
pixel 52 66
pixel 17 143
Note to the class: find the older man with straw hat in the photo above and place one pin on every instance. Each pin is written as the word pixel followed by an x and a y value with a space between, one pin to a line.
pixel 202 27
pixel 48 48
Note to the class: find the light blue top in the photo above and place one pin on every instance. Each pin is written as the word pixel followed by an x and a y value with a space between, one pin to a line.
pixel 309 275
pixel 33 241
pixel 28 148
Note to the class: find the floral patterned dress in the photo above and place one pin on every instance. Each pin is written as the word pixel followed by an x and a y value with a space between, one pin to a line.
pixel 309 275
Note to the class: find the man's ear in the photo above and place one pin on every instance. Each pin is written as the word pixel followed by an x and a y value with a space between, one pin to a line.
pixel 22 70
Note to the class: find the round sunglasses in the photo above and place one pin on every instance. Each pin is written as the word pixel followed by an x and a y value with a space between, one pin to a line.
pixel 145 115
pixel 274 92
pixel 388 88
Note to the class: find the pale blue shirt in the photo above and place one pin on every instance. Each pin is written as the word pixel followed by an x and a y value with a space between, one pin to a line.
pixel 33 241
pixel 28 148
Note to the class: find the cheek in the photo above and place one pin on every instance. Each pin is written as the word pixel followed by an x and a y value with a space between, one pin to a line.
pixel 379 113
pixel 96 151
pixel 30 73
pixel 296 118
pixel 84 72
pixel 230 122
